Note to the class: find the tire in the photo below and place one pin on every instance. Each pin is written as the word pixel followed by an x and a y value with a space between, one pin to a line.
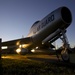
pixel 65 56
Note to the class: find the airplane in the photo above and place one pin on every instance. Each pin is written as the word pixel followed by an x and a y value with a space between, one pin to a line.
pixel 44 32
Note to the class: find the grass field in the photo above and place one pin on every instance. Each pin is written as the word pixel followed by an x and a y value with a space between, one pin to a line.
pixel 32 67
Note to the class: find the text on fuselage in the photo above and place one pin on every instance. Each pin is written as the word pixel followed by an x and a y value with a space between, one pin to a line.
pixel 43 24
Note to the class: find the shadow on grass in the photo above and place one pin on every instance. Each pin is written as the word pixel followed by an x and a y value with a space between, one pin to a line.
pixel 55 61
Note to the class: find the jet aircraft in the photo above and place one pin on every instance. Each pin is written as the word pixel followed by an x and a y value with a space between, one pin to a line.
pixel 44 32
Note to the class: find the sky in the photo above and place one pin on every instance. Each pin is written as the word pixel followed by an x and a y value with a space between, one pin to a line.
pixel 17 16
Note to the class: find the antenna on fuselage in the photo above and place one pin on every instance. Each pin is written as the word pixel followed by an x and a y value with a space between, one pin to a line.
pixel 22 36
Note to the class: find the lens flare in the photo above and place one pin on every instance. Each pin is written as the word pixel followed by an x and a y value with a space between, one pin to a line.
pixel 18 50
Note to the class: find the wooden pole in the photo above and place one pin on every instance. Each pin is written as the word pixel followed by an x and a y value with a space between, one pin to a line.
pixel 0 47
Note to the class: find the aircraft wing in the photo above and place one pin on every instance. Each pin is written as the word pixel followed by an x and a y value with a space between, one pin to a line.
pixel 26 40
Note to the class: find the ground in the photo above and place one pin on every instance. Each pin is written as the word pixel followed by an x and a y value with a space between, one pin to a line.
pixel 34 65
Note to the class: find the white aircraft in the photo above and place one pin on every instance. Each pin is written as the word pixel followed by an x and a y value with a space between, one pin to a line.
pixel 43 33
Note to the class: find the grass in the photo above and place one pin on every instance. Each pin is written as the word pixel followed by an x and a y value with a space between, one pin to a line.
pixel 32 67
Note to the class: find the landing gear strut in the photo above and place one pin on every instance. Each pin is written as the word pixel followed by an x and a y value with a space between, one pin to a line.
pixel 65 52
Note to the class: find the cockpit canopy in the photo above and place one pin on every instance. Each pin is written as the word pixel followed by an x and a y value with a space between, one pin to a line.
pixel 35 23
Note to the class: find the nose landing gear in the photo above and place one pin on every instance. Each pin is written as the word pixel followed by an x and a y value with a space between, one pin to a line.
pixel 65 52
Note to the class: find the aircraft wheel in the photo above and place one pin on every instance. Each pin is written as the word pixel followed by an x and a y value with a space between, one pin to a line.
pixel 65 56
